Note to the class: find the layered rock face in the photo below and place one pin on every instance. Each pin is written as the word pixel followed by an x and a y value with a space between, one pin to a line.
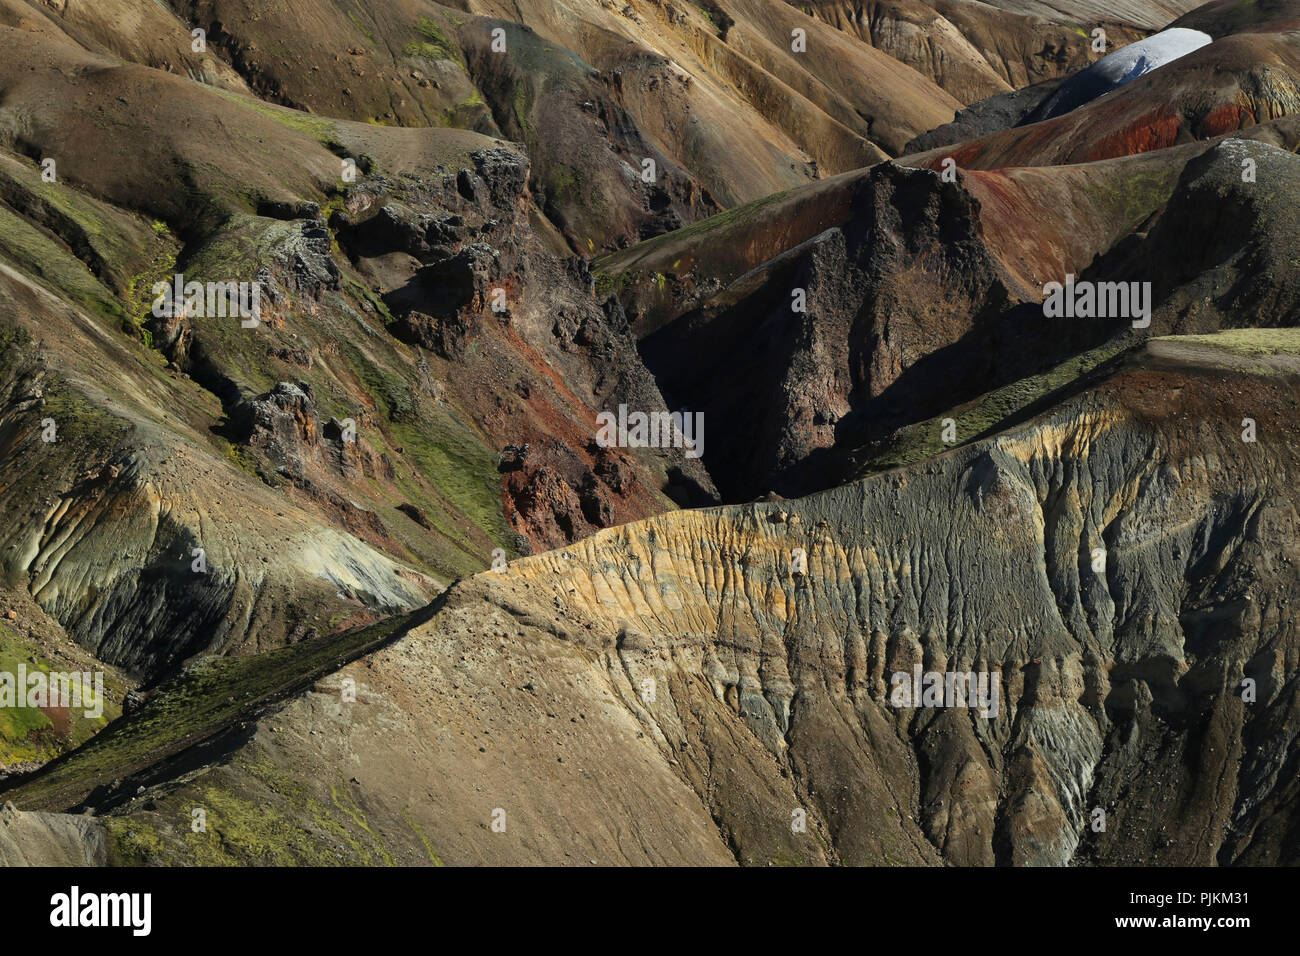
pixel 690 689
pixel 1028 602
pixel 1122 564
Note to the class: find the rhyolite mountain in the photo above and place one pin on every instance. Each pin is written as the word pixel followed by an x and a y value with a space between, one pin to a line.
pixel 279 541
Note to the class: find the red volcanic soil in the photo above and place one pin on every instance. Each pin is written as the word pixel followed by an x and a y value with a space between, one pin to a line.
pixel 1231 84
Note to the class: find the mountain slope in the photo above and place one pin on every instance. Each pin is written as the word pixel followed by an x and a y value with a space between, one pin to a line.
pixel 683 653
pixel 367 580
pixel 921 294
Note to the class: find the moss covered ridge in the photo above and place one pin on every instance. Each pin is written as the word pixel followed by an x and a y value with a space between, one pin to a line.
pixel 209 696
pixel 37 734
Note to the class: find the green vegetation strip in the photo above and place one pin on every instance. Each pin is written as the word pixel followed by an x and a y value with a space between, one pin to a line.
pixel 198 703
pixel 435 44
pixel 26 733
pixel 973 419
pixel 1248 342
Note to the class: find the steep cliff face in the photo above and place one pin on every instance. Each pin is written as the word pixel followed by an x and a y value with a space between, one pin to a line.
pixel 879 299
pixel 1104 671
pixel 684 689
pixel 473 228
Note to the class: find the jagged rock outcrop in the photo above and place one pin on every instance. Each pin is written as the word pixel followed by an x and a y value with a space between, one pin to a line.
pixel 881 299
pixel 911 269
pixel 472 235
pixel 685 689
pixel 152 464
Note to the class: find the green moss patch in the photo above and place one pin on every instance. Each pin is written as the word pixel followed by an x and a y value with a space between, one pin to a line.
pixel 1248 342
pixel 434 44
pixel 28 734
pixel 980 416
pixel 205 698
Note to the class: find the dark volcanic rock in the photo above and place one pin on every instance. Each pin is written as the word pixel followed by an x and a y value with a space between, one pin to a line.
pixel 999 112
pixel 282 425
pixel 907 274
pixel 1225 252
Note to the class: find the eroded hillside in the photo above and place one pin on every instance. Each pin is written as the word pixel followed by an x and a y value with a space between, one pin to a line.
pixel 366 579
pixel 670 691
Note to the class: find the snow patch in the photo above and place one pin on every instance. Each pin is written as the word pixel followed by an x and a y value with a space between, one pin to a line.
pixel 1123 66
